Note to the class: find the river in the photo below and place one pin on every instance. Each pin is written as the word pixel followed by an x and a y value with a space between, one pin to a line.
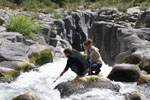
pixel 41 83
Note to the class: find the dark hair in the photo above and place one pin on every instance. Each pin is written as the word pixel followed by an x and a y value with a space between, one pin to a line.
pixel 88 42
pixel 68 51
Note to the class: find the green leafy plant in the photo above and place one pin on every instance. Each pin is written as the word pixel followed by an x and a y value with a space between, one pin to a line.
pixel 145 6
pixel 57 15
pixel 24 25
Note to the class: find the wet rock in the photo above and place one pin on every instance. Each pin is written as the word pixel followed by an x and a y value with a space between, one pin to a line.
pixel 85 84
pixel 135 96
pixel 27 96
pixel 125 73
pixel 40 54
pixel 143 20
pixel 144 79
pixel 145 62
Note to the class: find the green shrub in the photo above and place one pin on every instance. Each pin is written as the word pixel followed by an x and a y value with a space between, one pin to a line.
pixel 23 25
pixel 60 2
pixel 145 6
pixel 57 15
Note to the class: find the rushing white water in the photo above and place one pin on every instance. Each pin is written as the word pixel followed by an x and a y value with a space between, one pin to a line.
pixel 41 83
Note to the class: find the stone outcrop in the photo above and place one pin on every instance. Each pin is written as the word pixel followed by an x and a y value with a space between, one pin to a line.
pixel 112 32
pixel 144 79
pixel 105 38
pixel 125 73
pixel 85 84
pixel 27 96
pixel 17 55
pixel 135 96
pixel 121 45
pixel 143 20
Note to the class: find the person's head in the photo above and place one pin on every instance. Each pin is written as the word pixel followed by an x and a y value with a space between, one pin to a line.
pixel 67 52
pixel 87 44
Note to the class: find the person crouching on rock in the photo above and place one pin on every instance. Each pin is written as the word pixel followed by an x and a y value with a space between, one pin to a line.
pixel 76 62
pixel 93 57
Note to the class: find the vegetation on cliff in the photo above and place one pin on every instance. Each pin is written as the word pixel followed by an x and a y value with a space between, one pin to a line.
pixel 48 6
pixel 24 25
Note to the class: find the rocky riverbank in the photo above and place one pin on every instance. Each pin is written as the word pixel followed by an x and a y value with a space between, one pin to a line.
pixel 122 38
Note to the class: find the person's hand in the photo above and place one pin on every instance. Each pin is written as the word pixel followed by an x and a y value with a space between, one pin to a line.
pixel 61 74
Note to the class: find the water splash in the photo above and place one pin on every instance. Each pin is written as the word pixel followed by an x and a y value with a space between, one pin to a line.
pixel 41 83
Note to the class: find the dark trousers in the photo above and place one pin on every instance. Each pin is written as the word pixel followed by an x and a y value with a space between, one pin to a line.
pixel 76 70
pixel 94 69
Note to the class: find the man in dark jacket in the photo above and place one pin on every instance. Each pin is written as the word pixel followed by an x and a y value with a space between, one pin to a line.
pixel 76 62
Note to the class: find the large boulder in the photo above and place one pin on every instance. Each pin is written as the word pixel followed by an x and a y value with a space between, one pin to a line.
pixel 27 96
pixel 143 20
pixel 125 73
pixel 135 96
pixel 145 61
pixel 17 54
pixel 85 84
pixel 39 54
pixel 144 79
pixel 133 45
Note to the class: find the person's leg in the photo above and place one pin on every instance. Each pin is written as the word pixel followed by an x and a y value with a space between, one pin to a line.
pixel 95 69
pixel 77 77
pixel 75 69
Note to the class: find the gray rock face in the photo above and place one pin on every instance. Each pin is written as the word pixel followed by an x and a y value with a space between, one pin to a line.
pixel 119 44
pixel 12 47
pixel 76 27
pixel 143 20
pixel 125 73
pixel 105 38
pixel 82 85
pixel 15 54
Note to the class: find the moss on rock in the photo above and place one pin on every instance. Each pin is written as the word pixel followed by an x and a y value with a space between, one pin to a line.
pixel 144 79
pixel 41 58
pixel 10 75
pixel 24 66
pixel 93 78
pixel 27 96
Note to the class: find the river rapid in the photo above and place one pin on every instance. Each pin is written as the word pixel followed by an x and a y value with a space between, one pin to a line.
pixel 41 83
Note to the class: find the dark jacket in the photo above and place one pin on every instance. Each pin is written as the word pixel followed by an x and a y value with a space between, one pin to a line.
pixel 78 60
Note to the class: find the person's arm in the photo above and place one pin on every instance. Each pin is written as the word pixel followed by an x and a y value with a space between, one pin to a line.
pixel 61 74
pixel 66 68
